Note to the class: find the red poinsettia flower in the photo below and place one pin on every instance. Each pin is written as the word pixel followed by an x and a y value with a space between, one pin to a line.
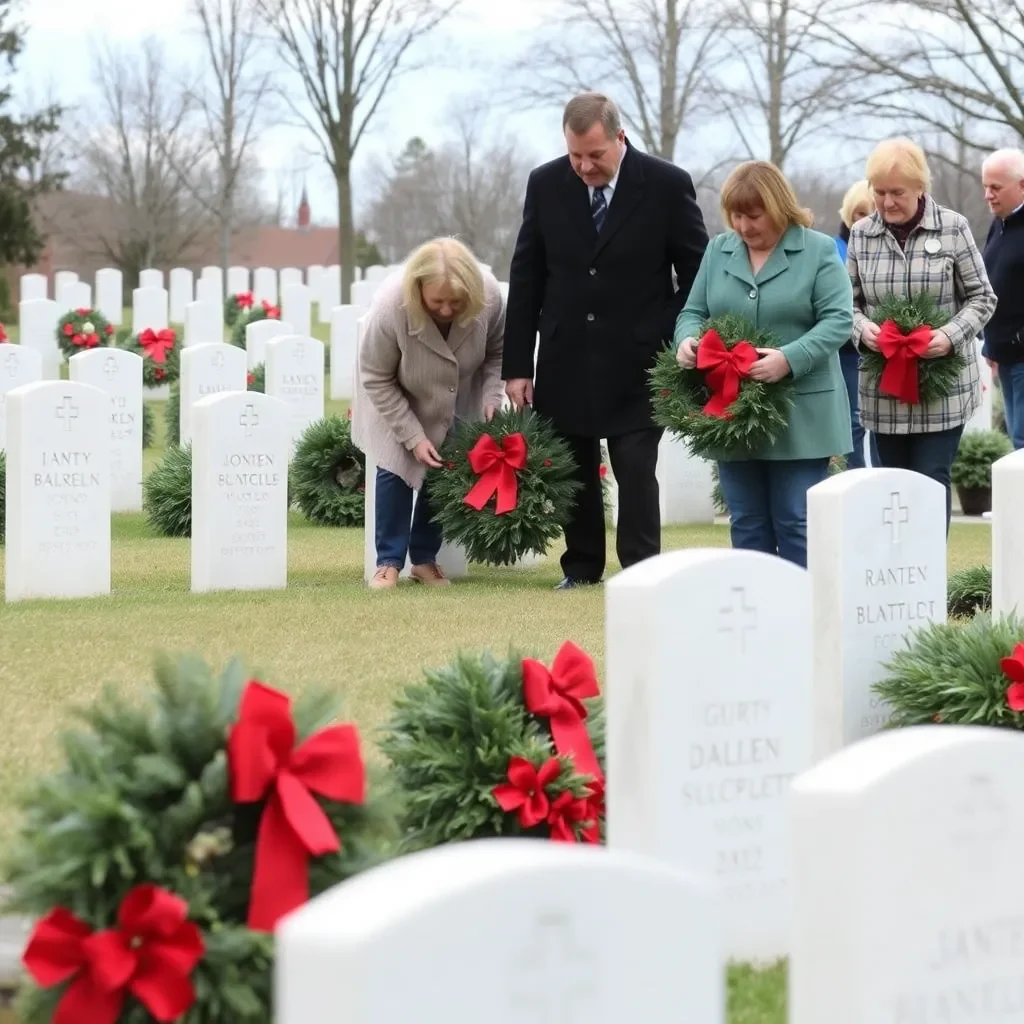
pixel 250 379
pixel 1013 669
pixel 566 812
pixel 273 312
pixel 595 811
pixel 69 330
pixel 159 373
pixel 82 311
pixel 109 329
pixel 3 334
pixel 603 471
pixel 524 791
pixel 547 463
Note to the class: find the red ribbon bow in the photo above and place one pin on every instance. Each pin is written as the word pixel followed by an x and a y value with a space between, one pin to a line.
pixel 1013 669
pixel 273 312
pixel 902 351
pixel 244 299
pixel 264 762
pixel 524 791
pixel 150 954
pixel 558 695
pixel 157 343
pixel 497 469
pixel 725 367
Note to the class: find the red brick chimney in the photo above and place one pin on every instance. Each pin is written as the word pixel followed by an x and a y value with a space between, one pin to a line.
pixel 304 211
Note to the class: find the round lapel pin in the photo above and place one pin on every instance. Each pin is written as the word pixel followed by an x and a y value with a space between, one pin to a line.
pixel 933 245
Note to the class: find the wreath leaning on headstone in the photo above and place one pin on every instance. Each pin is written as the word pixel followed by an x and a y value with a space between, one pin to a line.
pixel 161 359
pixel 167 491
pixel 237 305
pixel 159 858
pixel 505 489
pixel 264 311
pixel 328 474
pixel 715 407
pixel 899 369
pixel 488 747
pixel 82 330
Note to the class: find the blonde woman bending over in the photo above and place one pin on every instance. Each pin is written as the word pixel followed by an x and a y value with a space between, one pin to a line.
pixel 430 354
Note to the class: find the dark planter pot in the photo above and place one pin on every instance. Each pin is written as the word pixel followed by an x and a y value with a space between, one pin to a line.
pixel 974 500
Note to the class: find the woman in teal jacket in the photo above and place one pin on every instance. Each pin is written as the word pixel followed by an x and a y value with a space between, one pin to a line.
pixel 774 270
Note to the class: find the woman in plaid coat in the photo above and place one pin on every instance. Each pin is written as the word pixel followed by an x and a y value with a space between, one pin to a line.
pixel 908 246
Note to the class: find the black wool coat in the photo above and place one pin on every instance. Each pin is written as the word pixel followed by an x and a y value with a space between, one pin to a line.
pixel 604 306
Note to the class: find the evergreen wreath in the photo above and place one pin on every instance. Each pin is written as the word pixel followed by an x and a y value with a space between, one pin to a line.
pixel 148 425
pixel 237 305
pixel 161 358
pixel 328 474
pixel 466 750
pixel 969 591
pixel 167 493
pixel 517 498
pixel 906 375
pixel 83 329
pixel 177 798
pixel 172 415
pixel 718 410
pixel 959 674
pixel 264 311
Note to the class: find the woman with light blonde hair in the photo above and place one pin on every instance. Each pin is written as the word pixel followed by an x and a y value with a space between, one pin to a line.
pixel 430 353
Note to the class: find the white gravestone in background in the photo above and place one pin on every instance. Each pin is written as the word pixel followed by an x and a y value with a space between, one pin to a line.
pixel 207 370
pixel 329 295
pixel 58 491
pixel 110 294
pixel 209 289
pixel 507 931
pixel 239 492
pixel 1008 535
pixel 295 374
pixel 81 295
pixel 264 285
pixel 362 293
pixel 314 275
pixel 259 333
pixel 905 907
pixel 19 365
pixel 295 307
pixel 289 275
pixel 343 350
pixel 63 290
pixel 238 280
pixel 37 329
pixel 119 374
pixel 204 323
pixel 708 656
pixel 685 485
pixel 149 309
pixel 182 291
pixel 876 552
pixel 982 418
pixel 215 276
pixel 151 278
pixel 32 286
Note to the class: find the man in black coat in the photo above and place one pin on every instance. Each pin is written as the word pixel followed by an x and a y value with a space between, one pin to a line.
pixel 603 227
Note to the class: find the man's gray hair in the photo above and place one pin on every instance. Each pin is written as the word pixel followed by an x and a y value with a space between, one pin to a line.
pixel 589 108
pixel 1010 159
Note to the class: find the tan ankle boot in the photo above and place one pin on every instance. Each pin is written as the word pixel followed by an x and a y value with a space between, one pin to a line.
pixel 431 574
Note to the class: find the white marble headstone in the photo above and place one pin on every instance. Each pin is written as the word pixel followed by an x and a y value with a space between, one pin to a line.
pixel 32 286
pixel 182 292
pixel 216 276
pixel 80 294
pixel 343 350
pixel 876 553
pixel 119 374
pixel 685 484
pixel 314 275
pixel 204 323
pixel 19 365
pixel 904 906
pixel 208 370
pixel 58 491
pixel 295 374
pixel 259 333
pixel 149 309
pixel 708 691
pixel 264 285
pixel 238 280
pixel 329 294
pixel 209 289
pixel 63 290
pixel 110 294
pixel 295 307
pixel 505 931
pixel 982 418
pixel 289 275
pixel 151 278
pixel 37 329
pixel 1008 535
pixel 240 455
pixel 363 292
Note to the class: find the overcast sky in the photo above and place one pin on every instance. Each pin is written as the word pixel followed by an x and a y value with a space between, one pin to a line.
pixel 58 57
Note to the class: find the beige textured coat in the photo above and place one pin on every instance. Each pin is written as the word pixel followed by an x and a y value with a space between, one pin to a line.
pixel 411 384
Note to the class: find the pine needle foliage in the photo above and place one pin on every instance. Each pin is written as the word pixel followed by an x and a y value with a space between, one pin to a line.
pixel 969 591
pixel 89 326
pixel 256 380
pixel 253 316
pixel 328 474
pixel 167 493
pixel 233 309
pixel 757 417
pixel 972 467
pixel 449 741
pixel 148 425
pixel 546 490
pixel 155 374
pixel 950 672
pixel 144 796
pixel 936 378
pixel 172 414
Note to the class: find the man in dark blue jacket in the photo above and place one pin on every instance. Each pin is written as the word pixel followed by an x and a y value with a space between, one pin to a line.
pixel 1003 178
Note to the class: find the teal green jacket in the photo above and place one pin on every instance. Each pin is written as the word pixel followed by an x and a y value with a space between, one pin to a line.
pixel 803 295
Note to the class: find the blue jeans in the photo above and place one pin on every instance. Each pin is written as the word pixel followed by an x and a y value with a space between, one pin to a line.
pixel 850 363
pixel 1011 383
pixel 399 531
pixel 767 502
pixel 930 455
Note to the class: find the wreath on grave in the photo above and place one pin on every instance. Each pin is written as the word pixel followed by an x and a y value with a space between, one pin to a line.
pixel 716 408
pixel 256 380
pixel 328 474
pixel 160 856
pixel 505 488
pixel 161 358
pixel 167 491
pixel 237 305
pixel 264 311
pixel 148 425
pixel 899 370
pixel 488 747
pixel 83 329
pixel 959 674
pixel 969 591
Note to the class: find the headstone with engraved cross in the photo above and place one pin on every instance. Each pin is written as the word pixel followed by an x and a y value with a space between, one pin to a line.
pixel 507 931
pixel 58 491
pixel 19 365
pixel 708 690
pixel 295 374
pixel 876 553
pixel 119 374
pixel 240 449
pixel 903 907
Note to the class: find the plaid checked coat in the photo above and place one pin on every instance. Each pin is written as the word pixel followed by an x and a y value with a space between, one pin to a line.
pixel 954 273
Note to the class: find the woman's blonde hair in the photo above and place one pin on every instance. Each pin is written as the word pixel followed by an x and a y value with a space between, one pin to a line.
pixel 759 186
pixel 443 260
pixel 858 194
pixel 900 156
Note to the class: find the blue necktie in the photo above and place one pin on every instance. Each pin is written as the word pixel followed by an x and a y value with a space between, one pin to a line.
pixel 598 209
